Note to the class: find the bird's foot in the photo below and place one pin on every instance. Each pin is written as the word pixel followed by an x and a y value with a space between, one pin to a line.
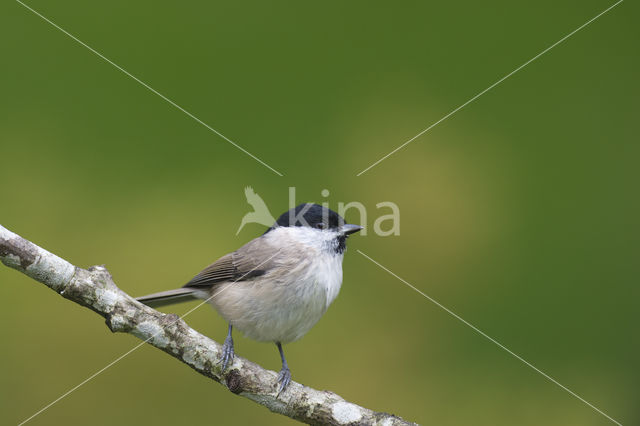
pixel 227 353
pixel 284 378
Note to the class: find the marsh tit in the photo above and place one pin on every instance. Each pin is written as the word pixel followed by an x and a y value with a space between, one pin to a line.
pixel 277 286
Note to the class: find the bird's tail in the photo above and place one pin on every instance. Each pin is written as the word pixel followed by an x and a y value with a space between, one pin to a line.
pixel 169 297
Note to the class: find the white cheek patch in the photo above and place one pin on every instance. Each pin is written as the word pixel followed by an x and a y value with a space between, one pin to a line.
pixel 317 239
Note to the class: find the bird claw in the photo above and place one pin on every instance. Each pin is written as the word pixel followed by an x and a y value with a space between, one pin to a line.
pixel 227 353
pixel 284 378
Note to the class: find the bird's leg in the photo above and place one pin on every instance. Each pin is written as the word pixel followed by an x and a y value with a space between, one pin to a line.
pixel 227 350
pixel 284 377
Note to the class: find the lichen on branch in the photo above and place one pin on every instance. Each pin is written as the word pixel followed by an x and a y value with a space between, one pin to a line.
pixel 95 289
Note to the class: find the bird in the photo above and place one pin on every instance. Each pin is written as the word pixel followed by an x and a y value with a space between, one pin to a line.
pixel 276 287
pixel 260 213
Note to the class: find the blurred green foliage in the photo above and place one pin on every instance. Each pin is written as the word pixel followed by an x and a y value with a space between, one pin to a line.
pixel 519 213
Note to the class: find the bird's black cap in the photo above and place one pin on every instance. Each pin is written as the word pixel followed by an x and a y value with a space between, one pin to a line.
pixel 311 215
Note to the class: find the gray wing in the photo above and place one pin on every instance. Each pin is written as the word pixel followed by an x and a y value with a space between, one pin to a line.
pixel 252 260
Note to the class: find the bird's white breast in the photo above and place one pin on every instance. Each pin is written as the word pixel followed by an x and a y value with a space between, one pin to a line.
pixel 288 301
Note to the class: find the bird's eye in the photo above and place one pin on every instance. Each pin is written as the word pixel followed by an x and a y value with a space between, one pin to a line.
pixel 321 225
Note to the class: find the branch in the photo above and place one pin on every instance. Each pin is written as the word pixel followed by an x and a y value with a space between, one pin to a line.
pixel 94 288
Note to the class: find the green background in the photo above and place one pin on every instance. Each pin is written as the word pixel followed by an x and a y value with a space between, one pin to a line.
pixel 519 213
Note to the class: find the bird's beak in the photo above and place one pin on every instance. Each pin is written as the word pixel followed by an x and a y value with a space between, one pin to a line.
pixel 350 229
